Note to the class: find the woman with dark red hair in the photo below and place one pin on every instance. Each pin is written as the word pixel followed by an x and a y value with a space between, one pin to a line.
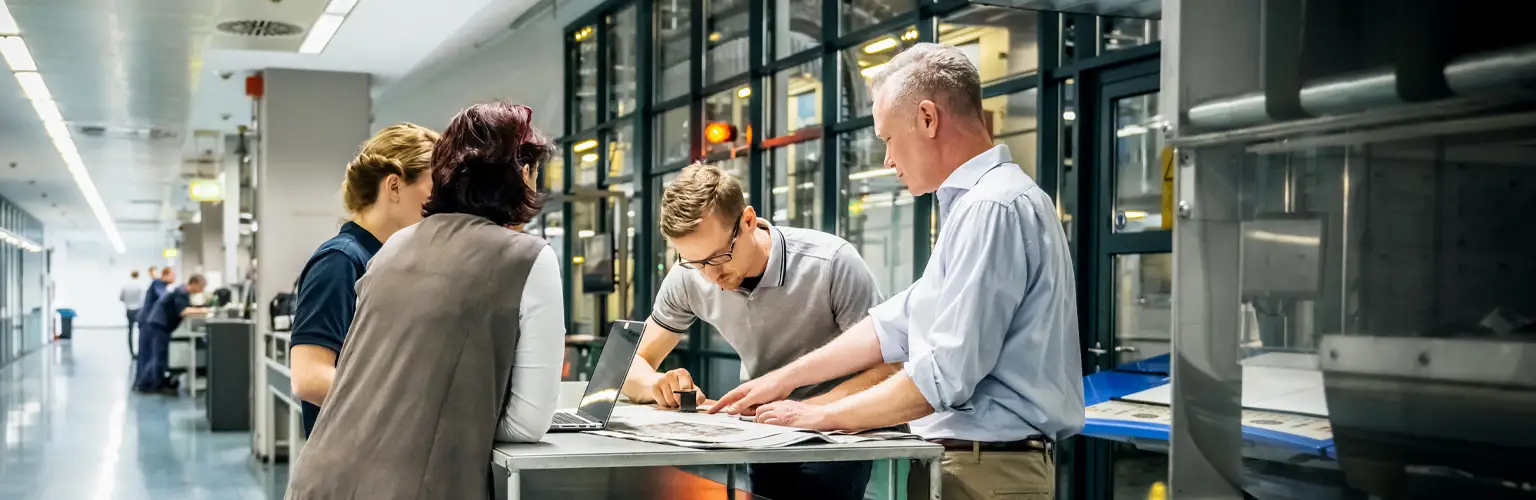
pixel 458 337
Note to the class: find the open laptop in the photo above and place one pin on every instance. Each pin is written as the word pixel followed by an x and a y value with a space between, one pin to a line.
pixel 603 390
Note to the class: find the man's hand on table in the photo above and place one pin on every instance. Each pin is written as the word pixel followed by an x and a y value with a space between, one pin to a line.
pixel 746 397
pixel 663 389
pixel 797 414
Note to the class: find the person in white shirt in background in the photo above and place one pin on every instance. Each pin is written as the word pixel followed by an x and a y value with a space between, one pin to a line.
pixel 132 297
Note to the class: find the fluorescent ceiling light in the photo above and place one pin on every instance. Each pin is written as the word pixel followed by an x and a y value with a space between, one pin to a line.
pixel 870 71
pixel 66 148
pixel 320 34
pixel 882 44
pixel 32 85
pixel 744 92
pixel 16 54
pixel 584 145
pixel 7 23
pixel 589 157
pixel 340 7
pixel 1289 239
pixel 785 189
pixel 48 111
pixel 870 174
pixel 1130 130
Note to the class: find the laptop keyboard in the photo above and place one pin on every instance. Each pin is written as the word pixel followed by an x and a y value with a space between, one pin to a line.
pixel 569 419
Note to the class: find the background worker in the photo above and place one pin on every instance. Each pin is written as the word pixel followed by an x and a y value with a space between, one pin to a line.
pixel 132 297
pixel 989 333
pixel 152 293
pixel 774 293
pixel 157 285
pixel 162 319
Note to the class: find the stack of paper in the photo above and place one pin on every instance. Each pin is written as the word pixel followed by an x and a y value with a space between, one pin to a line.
pixel 719 431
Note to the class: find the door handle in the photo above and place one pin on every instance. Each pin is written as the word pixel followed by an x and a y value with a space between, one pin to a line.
pixel 1125 348
pixel 1096 350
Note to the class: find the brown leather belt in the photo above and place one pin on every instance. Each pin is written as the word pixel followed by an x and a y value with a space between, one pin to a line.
pixel 1028 444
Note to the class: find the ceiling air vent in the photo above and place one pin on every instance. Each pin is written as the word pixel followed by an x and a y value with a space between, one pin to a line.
pixel 259 28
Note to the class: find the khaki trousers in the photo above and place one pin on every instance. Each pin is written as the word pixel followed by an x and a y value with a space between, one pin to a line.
pixel 992 475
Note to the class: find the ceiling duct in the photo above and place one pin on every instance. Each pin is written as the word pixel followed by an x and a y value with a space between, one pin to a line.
pixel 259 28
pixel 268 26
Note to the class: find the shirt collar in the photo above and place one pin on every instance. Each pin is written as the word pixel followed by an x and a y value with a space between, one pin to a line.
pixel 363 237
pixel 969 174
pixel 778 257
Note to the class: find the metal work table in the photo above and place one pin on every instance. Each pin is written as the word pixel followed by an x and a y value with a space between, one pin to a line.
pixel 587 451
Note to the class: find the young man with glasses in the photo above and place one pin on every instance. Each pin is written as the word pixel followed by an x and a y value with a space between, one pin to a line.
pixel 774 293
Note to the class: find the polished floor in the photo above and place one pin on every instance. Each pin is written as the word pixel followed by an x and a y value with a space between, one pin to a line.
pixel 74 430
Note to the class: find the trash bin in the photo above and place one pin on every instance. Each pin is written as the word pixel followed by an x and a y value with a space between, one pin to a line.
pixel 66 323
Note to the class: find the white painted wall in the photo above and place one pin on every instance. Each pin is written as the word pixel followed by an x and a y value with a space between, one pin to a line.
pixel 524 66
pixel 87 277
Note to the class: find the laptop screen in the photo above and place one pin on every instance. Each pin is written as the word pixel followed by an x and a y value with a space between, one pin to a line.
pixel 612 368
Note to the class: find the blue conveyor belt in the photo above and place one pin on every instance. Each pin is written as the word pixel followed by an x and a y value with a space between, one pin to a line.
pixel 1149 373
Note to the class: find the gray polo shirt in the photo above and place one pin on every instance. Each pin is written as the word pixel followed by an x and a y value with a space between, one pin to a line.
pixel 815 287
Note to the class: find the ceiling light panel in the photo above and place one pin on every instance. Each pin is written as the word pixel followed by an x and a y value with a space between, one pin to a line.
pixel 19 58
pixel 7 23
pixel 320 34
pixel 14 49
pixel 48 111
pixel 340 7
pixel 32 85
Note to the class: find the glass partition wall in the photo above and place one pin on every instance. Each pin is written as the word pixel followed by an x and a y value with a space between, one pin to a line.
pixel 776 92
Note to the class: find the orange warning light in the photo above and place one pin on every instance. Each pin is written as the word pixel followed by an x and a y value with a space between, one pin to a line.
pixel 719 132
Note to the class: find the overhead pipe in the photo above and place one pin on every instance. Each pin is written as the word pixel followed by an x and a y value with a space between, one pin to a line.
pixel 1507 70
pixel 1511 70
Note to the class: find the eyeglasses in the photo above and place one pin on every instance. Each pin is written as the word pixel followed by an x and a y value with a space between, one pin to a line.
pixel 718 259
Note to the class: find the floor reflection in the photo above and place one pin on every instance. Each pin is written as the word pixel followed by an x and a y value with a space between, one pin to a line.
pixel 73 429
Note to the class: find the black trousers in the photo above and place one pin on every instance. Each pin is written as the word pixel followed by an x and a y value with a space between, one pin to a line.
pixel 819 480
pixel 133 320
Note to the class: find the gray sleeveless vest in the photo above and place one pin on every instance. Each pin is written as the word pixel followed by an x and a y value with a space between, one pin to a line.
pixel 425 370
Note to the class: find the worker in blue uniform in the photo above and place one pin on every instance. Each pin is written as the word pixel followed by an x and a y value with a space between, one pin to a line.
pixel 157 284
pixel 164 317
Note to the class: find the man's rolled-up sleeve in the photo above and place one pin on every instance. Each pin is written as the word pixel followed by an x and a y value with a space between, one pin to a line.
pixel 890 319
pixel 984 281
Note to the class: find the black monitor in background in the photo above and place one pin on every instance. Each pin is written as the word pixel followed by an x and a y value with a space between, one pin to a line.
pixel 612 368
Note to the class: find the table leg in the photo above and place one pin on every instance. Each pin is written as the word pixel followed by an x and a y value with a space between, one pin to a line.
pixel 730 482
pixel 269 430
pixel 935 478
pixel 514 485
pixel 192 369
pixel 891 487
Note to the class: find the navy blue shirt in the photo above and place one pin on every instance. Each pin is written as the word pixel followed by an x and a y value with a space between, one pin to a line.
pixel 166 314
pixel 151 297
pixel 328 295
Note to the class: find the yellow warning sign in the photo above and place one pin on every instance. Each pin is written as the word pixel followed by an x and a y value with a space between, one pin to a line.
pixel 1168 187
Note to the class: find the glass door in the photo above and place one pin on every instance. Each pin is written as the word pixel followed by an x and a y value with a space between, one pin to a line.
pixel 1129 239
pixel 1126 255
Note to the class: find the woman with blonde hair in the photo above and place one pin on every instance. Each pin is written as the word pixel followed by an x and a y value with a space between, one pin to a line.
pixel 459 335
pixel 385 187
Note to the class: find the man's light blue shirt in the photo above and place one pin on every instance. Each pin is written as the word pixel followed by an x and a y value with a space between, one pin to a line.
pixel 989 333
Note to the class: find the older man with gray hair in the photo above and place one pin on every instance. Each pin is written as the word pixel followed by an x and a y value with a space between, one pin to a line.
pixel 988 335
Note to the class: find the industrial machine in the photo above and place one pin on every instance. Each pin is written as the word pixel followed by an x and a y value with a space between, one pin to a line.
pixel 1353 182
